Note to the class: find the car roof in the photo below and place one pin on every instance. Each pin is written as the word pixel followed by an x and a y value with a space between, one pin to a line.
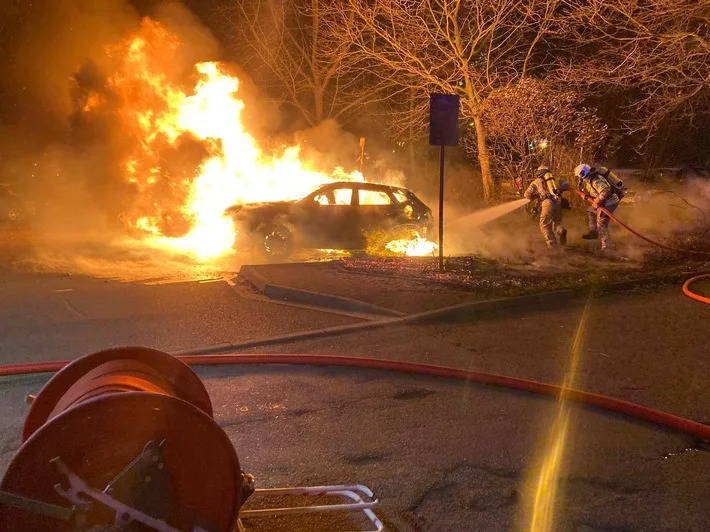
pixel 360 184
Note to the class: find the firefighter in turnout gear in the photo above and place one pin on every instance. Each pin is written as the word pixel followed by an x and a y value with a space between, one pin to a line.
pixel 605 190
pixel 548 192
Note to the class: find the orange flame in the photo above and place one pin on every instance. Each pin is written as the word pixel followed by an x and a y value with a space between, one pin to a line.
pixel 232 168
pixel 412 247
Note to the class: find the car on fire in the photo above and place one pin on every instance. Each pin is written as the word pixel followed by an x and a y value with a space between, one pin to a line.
pixel 336 216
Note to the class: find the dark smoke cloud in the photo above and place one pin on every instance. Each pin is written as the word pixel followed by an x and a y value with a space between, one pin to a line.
pixel 198 43
pixel 49 41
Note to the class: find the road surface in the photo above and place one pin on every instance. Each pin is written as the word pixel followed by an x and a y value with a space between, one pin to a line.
pixel 440 455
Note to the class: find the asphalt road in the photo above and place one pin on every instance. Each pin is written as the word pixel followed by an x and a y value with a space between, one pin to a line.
pixel 53 317
pixel 440 455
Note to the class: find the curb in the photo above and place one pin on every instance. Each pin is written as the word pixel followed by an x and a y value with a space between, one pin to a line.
pixel 469 309
pixel 284 293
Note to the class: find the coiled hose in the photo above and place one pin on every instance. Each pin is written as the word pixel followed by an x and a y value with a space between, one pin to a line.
pixel 611 404
pixel 686 285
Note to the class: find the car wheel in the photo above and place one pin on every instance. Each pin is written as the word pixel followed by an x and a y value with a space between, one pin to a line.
pixel 276 242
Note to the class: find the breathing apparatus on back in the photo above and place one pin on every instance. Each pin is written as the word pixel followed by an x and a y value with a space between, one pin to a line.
pixel 549 182
pixel 586 173
pixel 616 184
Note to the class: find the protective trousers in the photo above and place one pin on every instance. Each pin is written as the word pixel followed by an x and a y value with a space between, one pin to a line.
pixel 551 221
pixel 598 222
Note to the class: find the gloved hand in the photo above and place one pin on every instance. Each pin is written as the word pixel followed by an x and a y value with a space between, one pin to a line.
pixel 587 197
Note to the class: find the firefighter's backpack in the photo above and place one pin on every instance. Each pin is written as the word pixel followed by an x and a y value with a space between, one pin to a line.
pixel 549 184
pixel 616 184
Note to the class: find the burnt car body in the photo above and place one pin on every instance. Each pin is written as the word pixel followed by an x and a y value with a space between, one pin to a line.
pixel 336 216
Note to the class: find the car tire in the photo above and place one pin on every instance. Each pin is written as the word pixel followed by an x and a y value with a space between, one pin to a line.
pixel 275 242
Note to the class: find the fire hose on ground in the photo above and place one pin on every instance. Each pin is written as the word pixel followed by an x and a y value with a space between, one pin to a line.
pixel 140 422
pixel 618 406
pixel 130 416
pixel 686 285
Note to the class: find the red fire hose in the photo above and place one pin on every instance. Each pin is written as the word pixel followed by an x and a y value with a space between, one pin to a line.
pixel 687 426
pixel 686 289
pixel 693 295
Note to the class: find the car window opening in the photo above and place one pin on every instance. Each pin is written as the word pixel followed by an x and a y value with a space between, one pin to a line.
pixel 340 196
pixel 343 196
pixel 374 197
pixel 400 196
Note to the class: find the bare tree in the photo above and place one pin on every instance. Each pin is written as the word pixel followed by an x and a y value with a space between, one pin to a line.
pixel 537 122
pixel 659 49
pixel 464 47
pixel 283 42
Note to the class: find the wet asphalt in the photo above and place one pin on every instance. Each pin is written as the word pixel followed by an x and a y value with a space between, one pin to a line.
pixel 440 455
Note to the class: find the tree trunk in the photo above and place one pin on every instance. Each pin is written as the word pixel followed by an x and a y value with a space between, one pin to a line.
pixel 484 160
pixel 410 140
pixel 318 106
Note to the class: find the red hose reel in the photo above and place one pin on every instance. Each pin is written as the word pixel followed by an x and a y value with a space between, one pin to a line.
pixel 123 436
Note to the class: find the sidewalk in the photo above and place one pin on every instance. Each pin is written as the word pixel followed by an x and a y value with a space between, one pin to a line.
pixel 404 294
pixel 412 285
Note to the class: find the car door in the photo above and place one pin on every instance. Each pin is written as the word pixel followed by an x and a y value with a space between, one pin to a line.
pixel 376 207
pixel 375 211
pixel 328 221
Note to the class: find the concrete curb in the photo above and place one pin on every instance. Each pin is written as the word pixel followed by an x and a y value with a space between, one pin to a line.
pixel 299 295
pixel 469 309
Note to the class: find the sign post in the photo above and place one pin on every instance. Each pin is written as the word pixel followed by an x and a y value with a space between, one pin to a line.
pixel 443 131
pixel 362 153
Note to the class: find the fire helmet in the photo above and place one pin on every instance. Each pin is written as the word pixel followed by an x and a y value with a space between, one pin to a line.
pixel 541 171
pixel 582 171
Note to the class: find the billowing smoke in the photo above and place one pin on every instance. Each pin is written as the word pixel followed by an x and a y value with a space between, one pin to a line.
pixel 666 208
pixel 61 141
pixel 49 41
pixel 327 147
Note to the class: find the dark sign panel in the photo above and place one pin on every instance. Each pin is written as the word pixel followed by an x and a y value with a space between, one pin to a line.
pixel 443 120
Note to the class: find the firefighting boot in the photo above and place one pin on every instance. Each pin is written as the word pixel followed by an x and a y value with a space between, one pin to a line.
pixel 591 235
pixel 563 237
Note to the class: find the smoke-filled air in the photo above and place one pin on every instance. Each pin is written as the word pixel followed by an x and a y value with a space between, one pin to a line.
pixel 158 146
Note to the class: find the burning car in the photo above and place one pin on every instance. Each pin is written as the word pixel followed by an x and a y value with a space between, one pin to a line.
pixel 336 216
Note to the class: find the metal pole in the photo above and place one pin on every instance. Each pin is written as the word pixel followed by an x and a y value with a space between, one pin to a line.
pixel 441 209
pixel 362 153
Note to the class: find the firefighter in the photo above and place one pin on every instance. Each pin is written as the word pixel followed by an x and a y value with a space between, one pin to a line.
pixel 604 190
pixel 548 192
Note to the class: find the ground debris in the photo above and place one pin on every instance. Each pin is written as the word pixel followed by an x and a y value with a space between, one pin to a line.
pixel 507 278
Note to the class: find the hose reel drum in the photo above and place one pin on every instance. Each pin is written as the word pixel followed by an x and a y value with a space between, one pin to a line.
pixel 123 436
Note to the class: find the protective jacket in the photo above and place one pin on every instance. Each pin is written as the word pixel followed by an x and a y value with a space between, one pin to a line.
pixel 599 190
pixel 544 187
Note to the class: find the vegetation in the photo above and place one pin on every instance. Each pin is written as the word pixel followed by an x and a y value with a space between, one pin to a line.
pixel 524 71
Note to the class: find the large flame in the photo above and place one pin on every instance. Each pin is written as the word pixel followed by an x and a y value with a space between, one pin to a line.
pixel 412 247
pixel 187 202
